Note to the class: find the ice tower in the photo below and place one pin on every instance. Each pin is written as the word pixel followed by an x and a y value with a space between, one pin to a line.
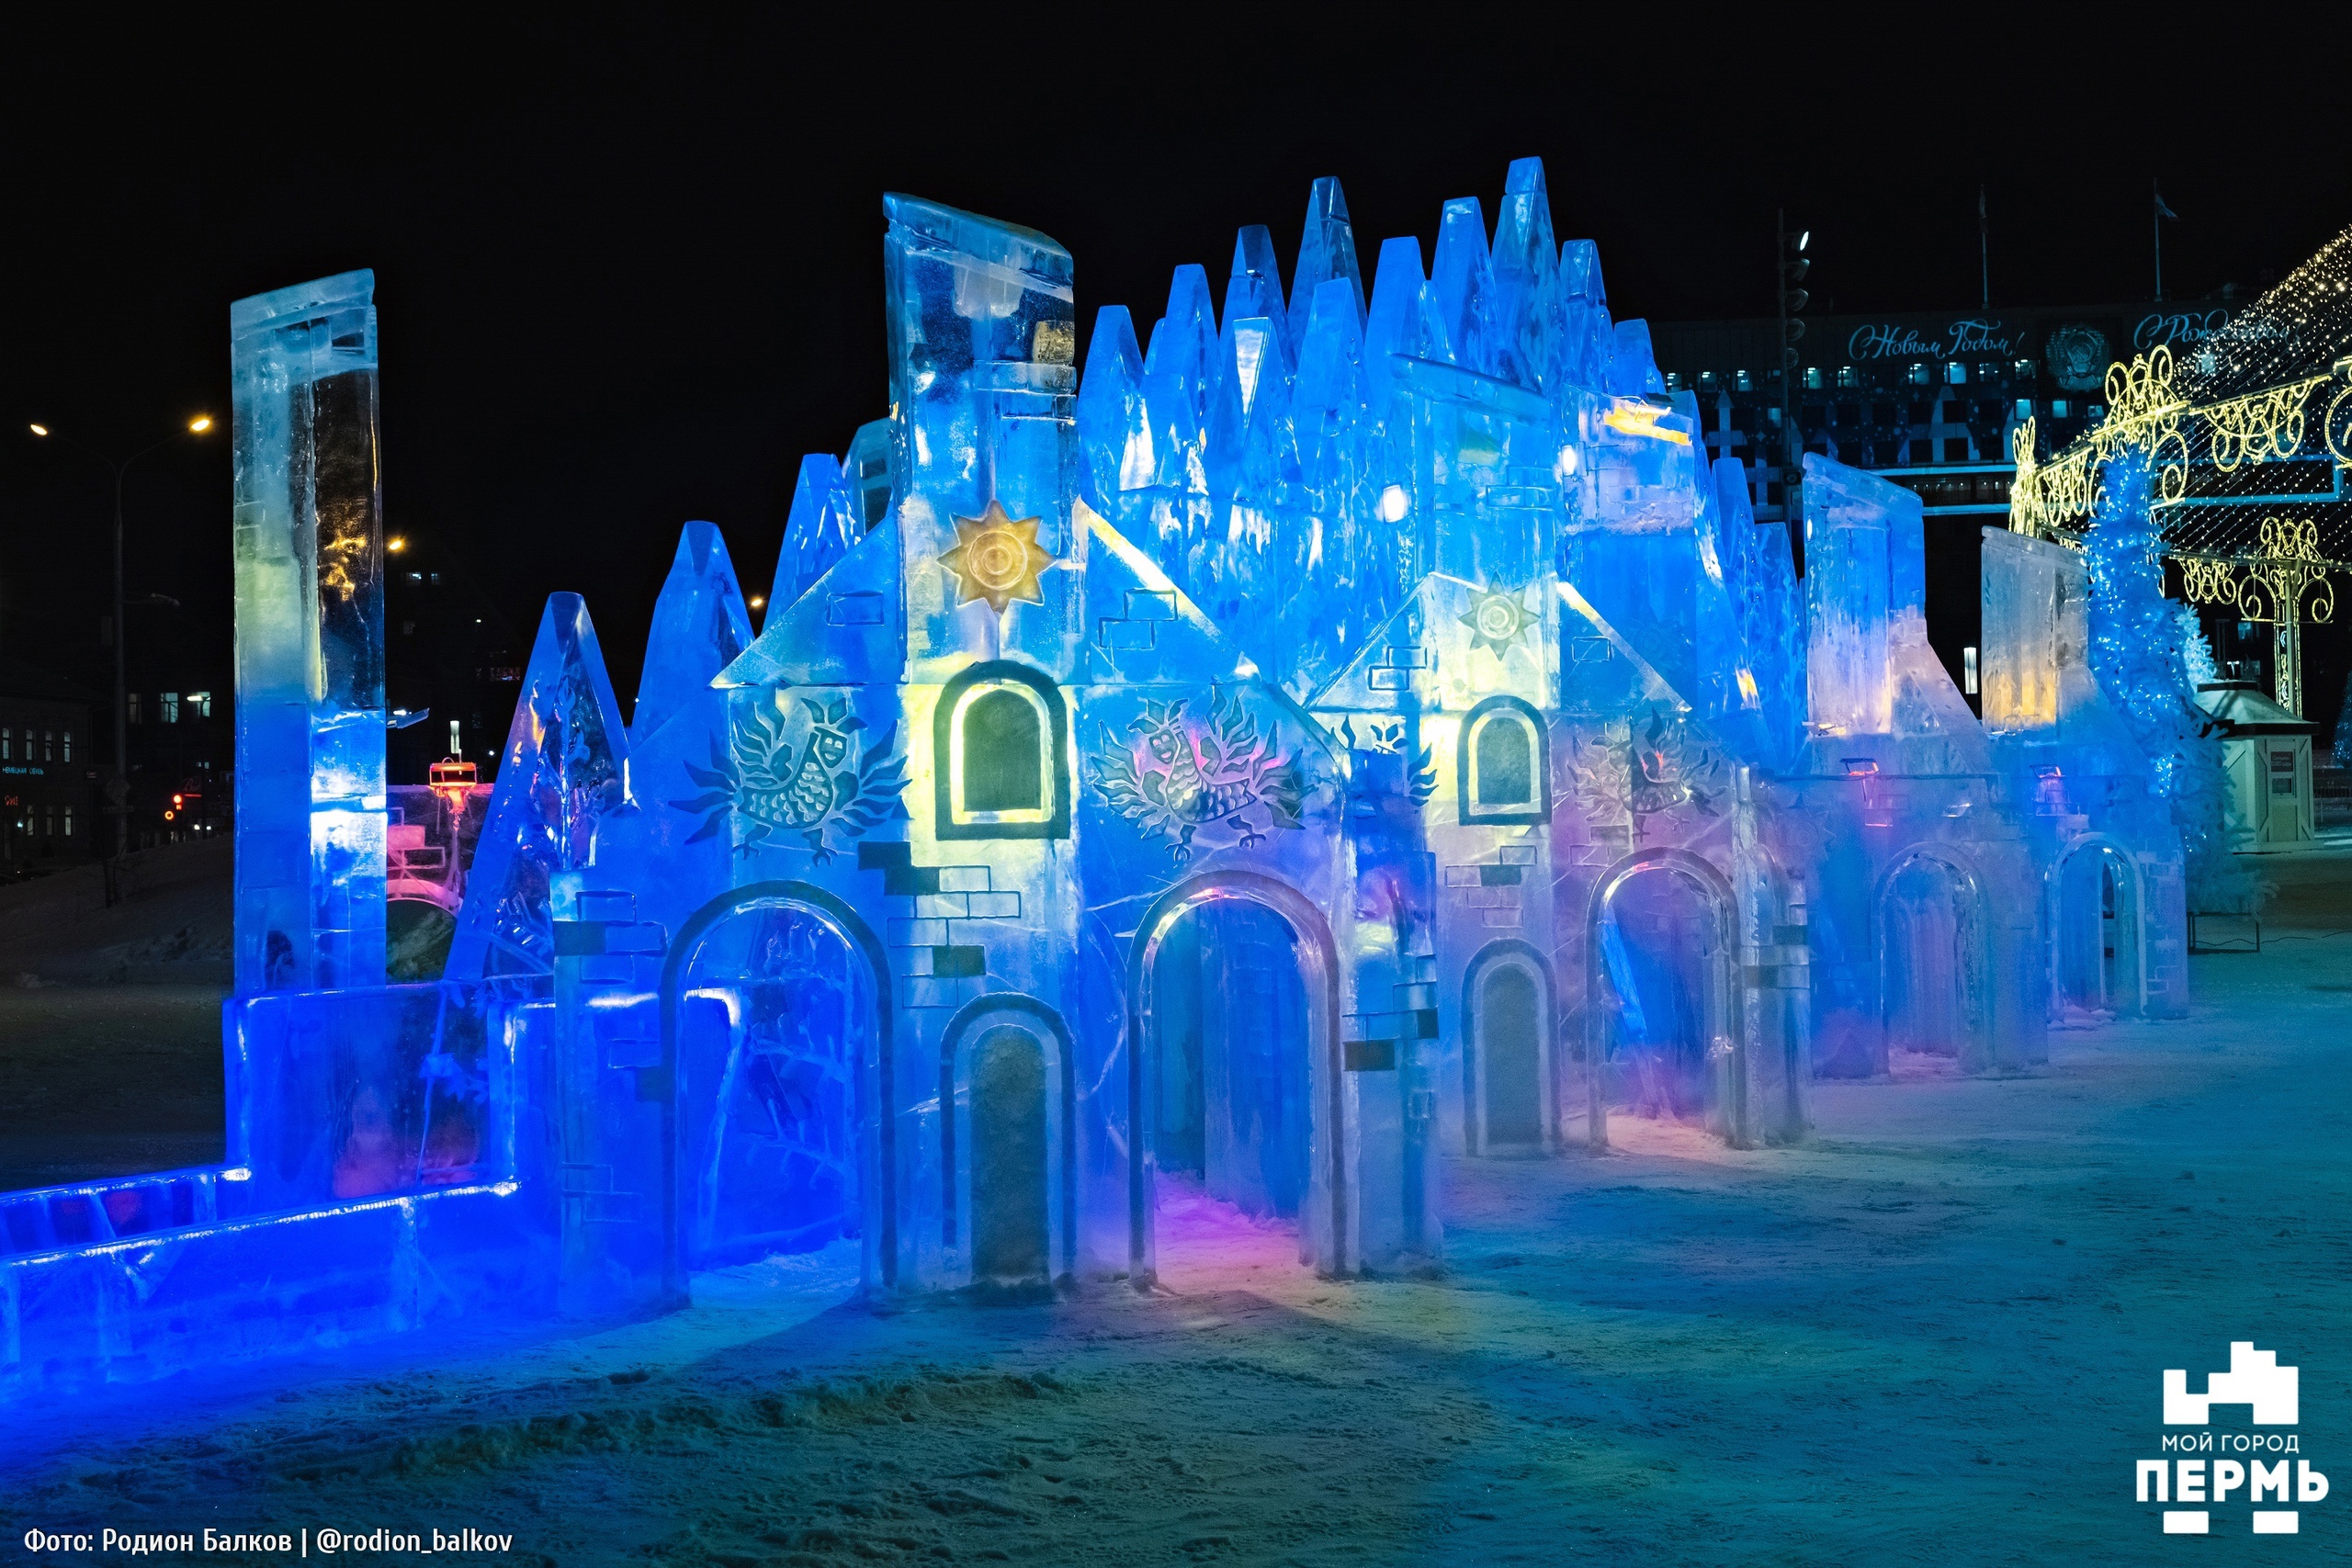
pixel 309 566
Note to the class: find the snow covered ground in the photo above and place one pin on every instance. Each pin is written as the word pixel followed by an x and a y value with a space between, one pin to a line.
pixel 1935 1333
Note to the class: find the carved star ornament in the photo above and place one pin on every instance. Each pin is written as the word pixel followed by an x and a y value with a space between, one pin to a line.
pixel 997 558
pixel 1496 621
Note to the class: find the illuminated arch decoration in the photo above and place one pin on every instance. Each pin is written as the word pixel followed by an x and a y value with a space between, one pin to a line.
pixel 1000 755
pixel 1502 765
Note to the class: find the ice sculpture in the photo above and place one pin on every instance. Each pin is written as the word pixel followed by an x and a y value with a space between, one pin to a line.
pixel 309 567
pixel 1324 736
pixel 563 770
pixel 699 625
pixel 2113 883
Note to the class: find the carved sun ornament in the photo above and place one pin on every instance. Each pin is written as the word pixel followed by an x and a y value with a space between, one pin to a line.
pixel 996 558
pixel 1496 621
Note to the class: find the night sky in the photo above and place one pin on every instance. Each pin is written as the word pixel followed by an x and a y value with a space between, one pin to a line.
pixel 629 271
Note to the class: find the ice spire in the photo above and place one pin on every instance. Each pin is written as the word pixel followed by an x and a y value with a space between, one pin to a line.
pixel 1527 270
pixel 823 524
pixel 1633 366
pixel 1586 337
pixel 564 770
pixel 1179 376
pixel 699 625
pixel 1462 285
pixel 1256 286
pixel 1326 253
pixel 1337 548
pixel 1403 319
pixel 1115 425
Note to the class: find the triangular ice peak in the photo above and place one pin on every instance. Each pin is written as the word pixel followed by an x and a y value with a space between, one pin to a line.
pixel 1256 287
pixel 699 625
pixel 1116 433
pixel 1326 253
pixel 1180 369
pixel 1402 320
pixel 823 524
pixel 564 770
pixel 1461 286
pixel 1527 267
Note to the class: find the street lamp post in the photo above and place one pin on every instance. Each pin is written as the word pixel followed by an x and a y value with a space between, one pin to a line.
pixel 119 788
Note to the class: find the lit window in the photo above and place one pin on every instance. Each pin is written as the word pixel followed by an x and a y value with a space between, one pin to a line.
pixel 2058 408
pixel 1743 381
pixel 1004 736
pixel 65 741
pixel 6 754
pixel 2025 408
pixel 2096 411
pixel 134 701
pixel 1708 381
pixel 2025 367
pixel 167 709
pixel 1674 380
pixel 202 703
pixel 1503 764
pixel 48 745
pixel 1956 374
pixel 69 821
pixel 1848 377
pixel 1988 372
pixel 1968 670
pixel 1813 377
pixel 1919 377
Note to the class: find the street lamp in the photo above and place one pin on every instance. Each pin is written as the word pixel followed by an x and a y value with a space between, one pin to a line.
pixel 119 788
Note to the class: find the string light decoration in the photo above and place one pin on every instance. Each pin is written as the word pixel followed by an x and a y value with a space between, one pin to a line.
pixel 2246 441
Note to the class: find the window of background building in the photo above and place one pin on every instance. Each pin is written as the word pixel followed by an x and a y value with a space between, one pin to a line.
pixel 2025 367
pixel 65 741
pixel 2025 408
pixel 167 707
pixel 7 749
pixel 202 701
pixel 2058 408
pixel 1743 381
pixel 1848 377
pixel 1813 377
pixel 1956 374
pixel 69 821
pixel 1919 377
pixel 134 703
pixel 1708 381
pixel 48 745
pixel 1988 372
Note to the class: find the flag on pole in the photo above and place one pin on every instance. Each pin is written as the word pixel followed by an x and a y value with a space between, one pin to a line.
pixel 2162 210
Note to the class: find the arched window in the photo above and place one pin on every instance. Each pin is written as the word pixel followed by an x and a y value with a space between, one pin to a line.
pixel 1502 765
pixel 1000 741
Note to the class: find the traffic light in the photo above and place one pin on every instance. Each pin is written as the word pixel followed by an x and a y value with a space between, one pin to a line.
pixel 1794 265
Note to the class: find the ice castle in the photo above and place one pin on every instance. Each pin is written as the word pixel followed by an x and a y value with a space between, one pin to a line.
pixel 1346 728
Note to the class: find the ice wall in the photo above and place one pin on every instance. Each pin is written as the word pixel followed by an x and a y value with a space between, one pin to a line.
pixel 309 549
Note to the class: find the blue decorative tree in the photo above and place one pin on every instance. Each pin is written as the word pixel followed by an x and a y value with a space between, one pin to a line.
pixel 2139 653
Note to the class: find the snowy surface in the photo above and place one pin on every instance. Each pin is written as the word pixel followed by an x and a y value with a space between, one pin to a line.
pixel 1935 1335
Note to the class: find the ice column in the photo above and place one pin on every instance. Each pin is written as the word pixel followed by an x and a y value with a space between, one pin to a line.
pixel 1850 570
pixel 308 545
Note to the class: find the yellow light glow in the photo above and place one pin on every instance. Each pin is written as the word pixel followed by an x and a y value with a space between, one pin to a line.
pixel 396 544
pixel 40 429
pixel 1747 688
pixel 757 602
pixel 1641 419
pixel 200 424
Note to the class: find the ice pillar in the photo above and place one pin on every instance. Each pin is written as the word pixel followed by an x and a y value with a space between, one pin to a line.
pixel 309 544
pixel 1855 570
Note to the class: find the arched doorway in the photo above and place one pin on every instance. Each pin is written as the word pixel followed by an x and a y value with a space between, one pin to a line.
pixel 1009 1157
pixel 776 1020
pixel 1933 970
pixel 2095 903
pixel 1506 1056
pixel 1234 1093
pixel 1662 1030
